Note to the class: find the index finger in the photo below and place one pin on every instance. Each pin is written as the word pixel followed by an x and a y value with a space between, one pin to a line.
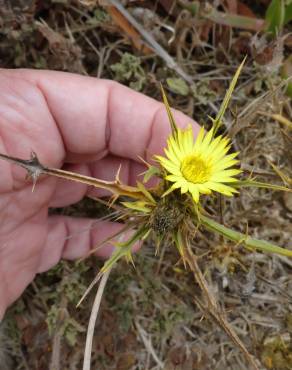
pixel 96 117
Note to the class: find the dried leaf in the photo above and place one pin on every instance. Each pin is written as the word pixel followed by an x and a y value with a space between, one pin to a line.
pixel 232 20
pixel 129 30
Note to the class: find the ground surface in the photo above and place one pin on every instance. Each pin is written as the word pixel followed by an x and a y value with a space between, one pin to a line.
pixel 149 317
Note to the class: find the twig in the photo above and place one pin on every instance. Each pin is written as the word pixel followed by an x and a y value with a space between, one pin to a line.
pixel 148 345
pixel 55 360
pixel 58 335
pixel 92 320
pixel 35 168
pixel 154 45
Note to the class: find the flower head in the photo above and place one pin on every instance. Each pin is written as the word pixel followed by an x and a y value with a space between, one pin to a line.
pixel 199 167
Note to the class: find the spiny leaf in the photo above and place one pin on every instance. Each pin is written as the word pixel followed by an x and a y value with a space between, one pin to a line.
pixel 243 239
pixel 169 113
pixel 218 120
pixel 124 248
pixel 258 184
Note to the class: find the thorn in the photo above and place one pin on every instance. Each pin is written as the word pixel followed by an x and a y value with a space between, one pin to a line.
pixel 117 178
pixel 33 166
pixel 144 161
pixel 34 181
pixel 131 260
pixel 34 169
pixel 112 200
pixel 94 282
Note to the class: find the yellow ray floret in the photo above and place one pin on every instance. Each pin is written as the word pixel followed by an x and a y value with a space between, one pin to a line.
pixel 200 166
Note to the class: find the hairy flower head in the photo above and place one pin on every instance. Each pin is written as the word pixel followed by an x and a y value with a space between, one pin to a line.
pixel 199 167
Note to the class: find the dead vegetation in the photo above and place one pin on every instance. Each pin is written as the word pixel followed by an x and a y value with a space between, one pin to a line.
pixel 150 316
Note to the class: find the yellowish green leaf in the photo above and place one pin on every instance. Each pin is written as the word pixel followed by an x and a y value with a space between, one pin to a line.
pixel 245 240
pixel 275 16
pixel 169 113
pixel 147 194
pixel 137 206
pixel 124 249
pixel 152 171
pixel 218 120
pixel 179 243
pixel 258 184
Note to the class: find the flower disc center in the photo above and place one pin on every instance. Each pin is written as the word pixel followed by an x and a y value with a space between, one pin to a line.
pixel 195 169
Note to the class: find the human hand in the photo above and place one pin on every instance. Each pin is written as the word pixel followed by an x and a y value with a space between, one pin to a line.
pixel 81 124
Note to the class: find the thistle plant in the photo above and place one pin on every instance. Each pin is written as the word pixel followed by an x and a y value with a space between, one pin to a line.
pixel 172 211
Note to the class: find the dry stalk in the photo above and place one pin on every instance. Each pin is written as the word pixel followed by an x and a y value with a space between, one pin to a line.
pixel 92 320
pixel 152 43
pixel 57 338
pixel 148 346
pixel 214 309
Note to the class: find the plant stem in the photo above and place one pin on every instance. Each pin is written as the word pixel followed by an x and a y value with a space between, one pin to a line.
pixel 92 321
pixel 212 306
pixel 246 240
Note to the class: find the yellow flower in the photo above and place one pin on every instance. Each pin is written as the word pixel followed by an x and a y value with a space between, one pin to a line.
pixel 201 166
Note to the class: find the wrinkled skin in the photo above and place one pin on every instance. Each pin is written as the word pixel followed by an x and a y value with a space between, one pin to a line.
pixel 78 123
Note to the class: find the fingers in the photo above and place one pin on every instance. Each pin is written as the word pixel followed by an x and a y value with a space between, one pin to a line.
pixel 73 238
pixel 95 117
